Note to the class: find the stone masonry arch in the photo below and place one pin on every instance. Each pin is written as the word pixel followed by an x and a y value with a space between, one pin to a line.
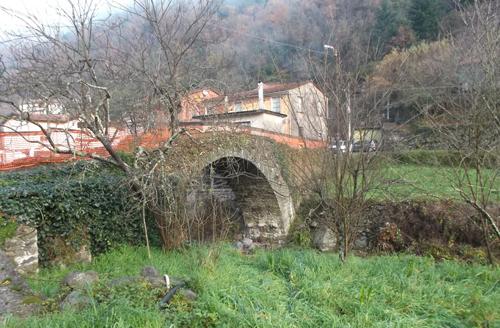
pixel 272 220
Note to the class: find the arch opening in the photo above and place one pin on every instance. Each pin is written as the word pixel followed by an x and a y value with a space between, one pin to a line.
pixel 241 199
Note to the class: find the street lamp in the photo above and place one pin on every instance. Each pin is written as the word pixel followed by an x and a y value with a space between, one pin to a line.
pixel 348 109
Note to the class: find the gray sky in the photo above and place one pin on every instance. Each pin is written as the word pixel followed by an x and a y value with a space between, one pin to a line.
pixel 46 10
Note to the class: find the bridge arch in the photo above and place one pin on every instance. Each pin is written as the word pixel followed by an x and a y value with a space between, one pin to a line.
pixel 255 183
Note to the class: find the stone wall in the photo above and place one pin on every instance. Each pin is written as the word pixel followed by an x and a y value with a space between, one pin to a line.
pixel 259 207
pixel 22 249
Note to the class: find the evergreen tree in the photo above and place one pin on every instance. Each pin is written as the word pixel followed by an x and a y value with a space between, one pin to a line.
pixel 424 17
pixel 386 22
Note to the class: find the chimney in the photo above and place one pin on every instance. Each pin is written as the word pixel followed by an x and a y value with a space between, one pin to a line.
pixel 261 94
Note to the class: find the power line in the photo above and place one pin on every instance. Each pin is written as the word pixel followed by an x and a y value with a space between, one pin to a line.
pixel 253 36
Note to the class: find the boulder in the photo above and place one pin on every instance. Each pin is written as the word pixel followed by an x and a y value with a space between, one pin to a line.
pixel 361 242
pixel 324 239
pixel 150 271
pixel 246 245
pixel 22 248
pixel 76 300
pixel 153 277
pixel 78 280
pixel 188 294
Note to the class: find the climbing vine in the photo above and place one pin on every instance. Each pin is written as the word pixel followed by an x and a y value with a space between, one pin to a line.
pixel 71 205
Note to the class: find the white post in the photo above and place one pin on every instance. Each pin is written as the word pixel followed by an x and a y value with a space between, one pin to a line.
pixel 349 123
pixel 349 119
pixel 261 95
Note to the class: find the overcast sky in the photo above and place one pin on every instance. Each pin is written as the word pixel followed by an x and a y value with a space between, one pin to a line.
pixel 46 10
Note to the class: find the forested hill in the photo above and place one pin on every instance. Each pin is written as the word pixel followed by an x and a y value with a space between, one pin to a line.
pixel 270 39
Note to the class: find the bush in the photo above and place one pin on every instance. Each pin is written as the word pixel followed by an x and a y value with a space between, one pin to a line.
pixel 71 205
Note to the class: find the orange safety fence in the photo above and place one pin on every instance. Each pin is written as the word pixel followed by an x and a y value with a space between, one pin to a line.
pixel 38 155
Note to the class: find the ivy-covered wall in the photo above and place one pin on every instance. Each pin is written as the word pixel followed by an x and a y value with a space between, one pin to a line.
pixel 71 205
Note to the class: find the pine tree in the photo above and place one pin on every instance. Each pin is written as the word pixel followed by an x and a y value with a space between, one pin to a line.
pixel 424 17
pixel 386 22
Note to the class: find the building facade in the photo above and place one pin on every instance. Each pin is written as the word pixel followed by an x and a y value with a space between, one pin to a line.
pixel 295 109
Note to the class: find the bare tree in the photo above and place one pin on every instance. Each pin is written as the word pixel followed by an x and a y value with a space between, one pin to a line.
pixel 468 118
pixel 158 48
pixel 453 85
pixel 343 174
pixel 80 66
pixel 62 65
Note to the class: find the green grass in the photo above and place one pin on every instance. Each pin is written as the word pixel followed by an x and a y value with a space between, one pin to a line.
pixel 287 288
pixel 416 181
pixel 409 181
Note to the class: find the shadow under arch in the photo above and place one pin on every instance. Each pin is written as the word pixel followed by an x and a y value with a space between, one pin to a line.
pixel 250 196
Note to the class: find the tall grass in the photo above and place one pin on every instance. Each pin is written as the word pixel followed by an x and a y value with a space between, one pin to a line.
pixel 287 288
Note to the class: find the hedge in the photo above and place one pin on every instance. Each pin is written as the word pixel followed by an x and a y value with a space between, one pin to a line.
pixel 70 205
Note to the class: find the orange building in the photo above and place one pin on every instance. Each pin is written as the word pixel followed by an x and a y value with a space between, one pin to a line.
pixel 296 109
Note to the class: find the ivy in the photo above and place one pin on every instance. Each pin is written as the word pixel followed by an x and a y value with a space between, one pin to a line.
pixel 71 205
pixel 7 228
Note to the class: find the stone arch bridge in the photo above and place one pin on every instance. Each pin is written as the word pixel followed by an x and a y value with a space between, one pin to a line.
pixel 250 172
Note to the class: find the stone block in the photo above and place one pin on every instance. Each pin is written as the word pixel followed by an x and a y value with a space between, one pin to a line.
pixel 80 280
pixel 324 239
pixel 22 249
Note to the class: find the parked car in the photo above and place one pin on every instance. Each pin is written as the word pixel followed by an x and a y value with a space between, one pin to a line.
pixel 364 146
pixel 341 144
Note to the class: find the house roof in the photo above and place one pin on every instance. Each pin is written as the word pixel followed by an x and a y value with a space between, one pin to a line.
pixel 6 112
pixel 238 114
pixel 269 88
pixel 54 118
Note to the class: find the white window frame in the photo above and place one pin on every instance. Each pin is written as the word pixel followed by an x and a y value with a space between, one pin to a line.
pixel 276 101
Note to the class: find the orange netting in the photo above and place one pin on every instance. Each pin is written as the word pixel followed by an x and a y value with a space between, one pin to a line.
pixel 38 155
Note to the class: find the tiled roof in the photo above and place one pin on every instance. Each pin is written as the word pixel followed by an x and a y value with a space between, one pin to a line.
pixel 236 114
pixel 55 118
pixel 269 88
pixel 6 112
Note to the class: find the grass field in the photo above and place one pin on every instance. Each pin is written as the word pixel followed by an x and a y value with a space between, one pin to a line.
pixel 409 181
pixel 284 288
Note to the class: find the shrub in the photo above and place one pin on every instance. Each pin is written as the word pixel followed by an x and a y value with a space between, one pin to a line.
pixel 71 205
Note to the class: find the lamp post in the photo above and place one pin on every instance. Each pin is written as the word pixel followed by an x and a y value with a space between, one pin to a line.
pixel 348 108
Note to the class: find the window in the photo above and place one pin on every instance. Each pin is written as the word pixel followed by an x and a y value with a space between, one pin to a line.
pixel 275 104
pixel 237 107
